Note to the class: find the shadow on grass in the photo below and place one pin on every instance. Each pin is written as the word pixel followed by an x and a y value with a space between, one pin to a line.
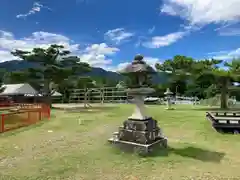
pixel 188 152
pixel 191 152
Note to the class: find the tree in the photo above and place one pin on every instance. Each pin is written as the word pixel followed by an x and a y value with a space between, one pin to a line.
pixel 159 90
pixel 216 76
pixel 223 81
pixel 2 75
pixel 104 81
pixel 219 73
pixel 179 65
pixel 232 75
pixel 27 76
pixel 65 88
pixel 85 82
pixel 121 85
pixel 204 74
pixel 176 69
pixel 53 64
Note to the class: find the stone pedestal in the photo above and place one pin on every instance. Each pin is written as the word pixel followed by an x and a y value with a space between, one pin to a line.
pixel 139 112
pixel 168 104
pixel 139 131
pixel 168 94
pixel 141 136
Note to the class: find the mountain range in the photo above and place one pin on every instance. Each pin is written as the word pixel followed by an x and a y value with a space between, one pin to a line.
pixel 16 65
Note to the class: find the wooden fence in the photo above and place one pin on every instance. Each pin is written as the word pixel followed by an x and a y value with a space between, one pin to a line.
pixel 21 115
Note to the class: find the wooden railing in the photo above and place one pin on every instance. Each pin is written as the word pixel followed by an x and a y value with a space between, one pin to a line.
pixel 21 115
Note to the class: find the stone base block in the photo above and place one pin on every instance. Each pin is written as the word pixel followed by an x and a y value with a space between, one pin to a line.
pixel 139 135
pixel 170 108
pixel 142 137
pixel 140 125
pixel 141 149
pixel 140 131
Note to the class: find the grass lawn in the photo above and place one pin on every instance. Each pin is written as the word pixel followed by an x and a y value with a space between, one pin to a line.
pixel 73 146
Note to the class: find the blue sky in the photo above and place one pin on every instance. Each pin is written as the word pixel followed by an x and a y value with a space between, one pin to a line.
pixel 108 33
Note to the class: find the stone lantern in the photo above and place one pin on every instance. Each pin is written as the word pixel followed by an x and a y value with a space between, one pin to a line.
pixel 168 95
pixel 139 130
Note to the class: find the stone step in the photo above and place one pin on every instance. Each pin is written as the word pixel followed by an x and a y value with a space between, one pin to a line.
pixel 133 130
pixel 138 144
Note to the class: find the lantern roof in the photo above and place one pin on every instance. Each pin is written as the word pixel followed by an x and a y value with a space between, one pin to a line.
pixel 168 92
pixel 138 65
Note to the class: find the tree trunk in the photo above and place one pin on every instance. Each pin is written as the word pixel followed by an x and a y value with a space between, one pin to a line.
pixel 47 93
pixel 224 94
pixel 224 98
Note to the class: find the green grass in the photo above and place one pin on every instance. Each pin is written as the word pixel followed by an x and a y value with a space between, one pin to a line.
pixel 73 146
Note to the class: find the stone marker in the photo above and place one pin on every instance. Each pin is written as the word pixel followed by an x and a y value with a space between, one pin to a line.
pixel 139 131
pixel 168 94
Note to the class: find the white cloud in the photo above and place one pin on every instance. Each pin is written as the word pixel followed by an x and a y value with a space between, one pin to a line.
pixel 151 30
pixel 229 32
pixel 169 9
pixel 218 52
pixel 98 60
pixel 37 39
pixel 223 26
pixel 202 12
pixel 149 60
pixel 225 55
pixel 37 7
pixel 166 40
pixel 197 14
pixel 152 61
pixel 117 67
pixel 140 40
pixel 6 34
pixel 118 35
pixel 101 49
pixel 96 54
pixel 6 56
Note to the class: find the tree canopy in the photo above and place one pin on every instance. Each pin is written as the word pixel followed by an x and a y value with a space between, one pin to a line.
pixel 202 77
pixel 53 65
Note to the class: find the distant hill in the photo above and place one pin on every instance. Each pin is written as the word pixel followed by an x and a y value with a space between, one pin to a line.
pixel 21 65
